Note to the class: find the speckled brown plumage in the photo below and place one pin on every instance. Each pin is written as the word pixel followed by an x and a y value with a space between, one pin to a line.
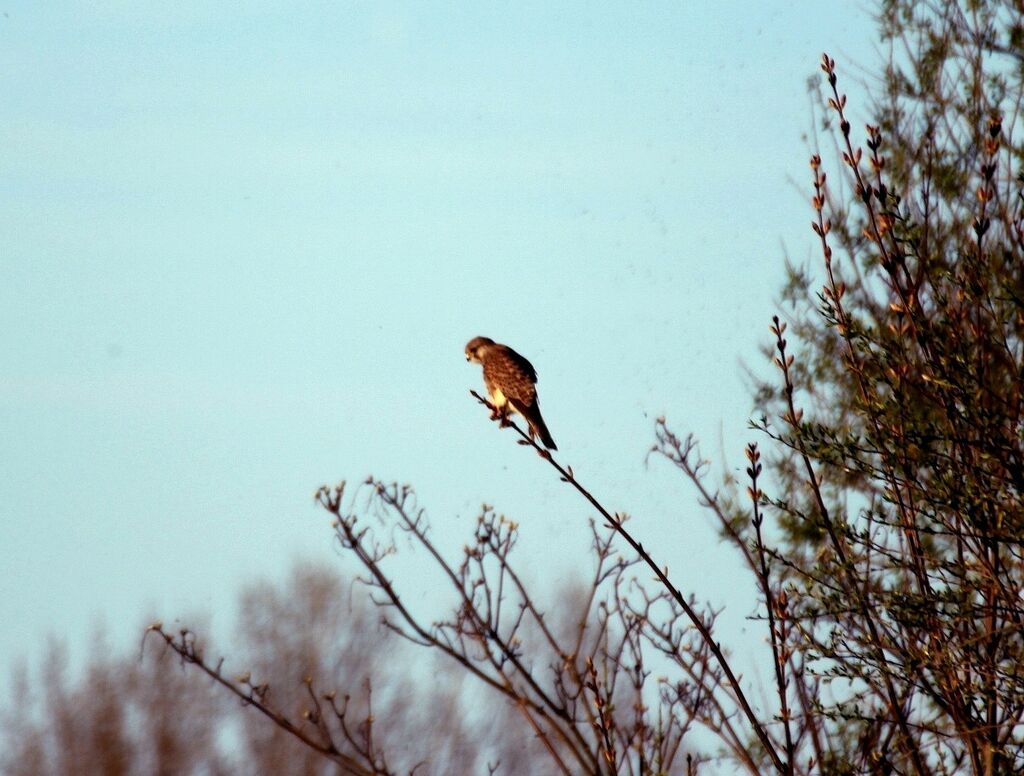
pixel 511 382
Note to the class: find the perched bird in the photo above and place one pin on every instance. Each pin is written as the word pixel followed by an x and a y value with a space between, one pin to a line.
pixel 511 383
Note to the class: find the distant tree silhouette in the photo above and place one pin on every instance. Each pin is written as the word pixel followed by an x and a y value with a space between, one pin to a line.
pixel 141 715
pixel 119 717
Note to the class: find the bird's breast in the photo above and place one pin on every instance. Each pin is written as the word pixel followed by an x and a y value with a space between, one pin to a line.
pixel 498 399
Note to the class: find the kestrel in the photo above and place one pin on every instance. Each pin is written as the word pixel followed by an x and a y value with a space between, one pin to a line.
pixel 511 383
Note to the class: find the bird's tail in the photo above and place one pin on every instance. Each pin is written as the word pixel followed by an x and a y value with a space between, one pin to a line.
pixel 535 421
pixel 537 424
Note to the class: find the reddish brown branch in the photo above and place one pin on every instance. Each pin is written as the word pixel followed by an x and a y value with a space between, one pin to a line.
pixel 695 619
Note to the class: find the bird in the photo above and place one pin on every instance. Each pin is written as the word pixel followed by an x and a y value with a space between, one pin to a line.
pixel 511 383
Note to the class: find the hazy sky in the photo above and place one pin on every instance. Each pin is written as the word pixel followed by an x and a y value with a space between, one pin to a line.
pixel 242 247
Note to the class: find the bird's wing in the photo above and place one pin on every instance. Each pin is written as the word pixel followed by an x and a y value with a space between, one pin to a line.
pixel 511 377
pixel 524 366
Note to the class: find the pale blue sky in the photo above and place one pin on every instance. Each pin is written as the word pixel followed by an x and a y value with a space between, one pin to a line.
pixel 243 247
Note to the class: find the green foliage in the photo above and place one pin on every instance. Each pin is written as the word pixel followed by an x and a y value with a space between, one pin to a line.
pixel 900 461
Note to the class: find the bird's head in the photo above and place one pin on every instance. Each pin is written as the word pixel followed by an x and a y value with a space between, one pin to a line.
pixel 476 348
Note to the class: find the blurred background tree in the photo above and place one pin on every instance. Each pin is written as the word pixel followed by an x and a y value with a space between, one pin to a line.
pixel 141 713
